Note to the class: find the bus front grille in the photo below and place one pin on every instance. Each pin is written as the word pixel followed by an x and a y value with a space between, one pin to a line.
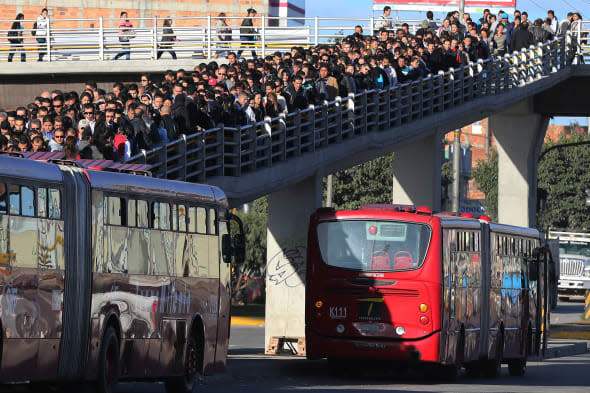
pixel 571 267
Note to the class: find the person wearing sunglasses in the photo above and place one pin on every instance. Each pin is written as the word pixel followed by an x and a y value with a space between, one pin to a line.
pixel 89 114
pixel 57 142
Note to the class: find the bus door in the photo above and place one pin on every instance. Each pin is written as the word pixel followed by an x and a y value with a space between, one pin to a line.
pixel 223 322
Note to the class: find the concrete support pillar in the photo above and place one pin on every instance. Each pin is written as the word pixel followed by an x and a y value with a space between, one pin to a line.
pixel 519 134
pixel 288 219
pixel 416 172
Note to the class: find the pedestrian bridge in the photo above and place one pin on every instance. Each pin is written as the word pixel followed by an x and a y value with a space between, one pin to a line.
pixel 288 156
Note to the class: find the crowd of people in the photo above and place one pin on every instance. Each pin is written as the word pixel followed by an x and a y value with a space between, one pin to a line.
pixel 117 124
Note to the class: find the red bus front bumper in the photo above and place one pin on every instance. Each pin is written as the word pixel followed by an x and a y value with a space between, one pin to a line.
pixel 425 349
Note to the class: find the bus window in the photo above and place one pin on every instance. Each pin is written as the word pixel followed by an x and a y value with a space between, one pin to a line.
pixel 182 218
pixel 174 217
pixel 192 220
pixel 14 199
pixel 27 201
pixel 115 211
pixel 142 214
pixel 164 216
pixel 42 202
pixel 54 204
pixel 131 213
pixel 201 220
pixel 3 207
pixel 211 228
pixel 155 215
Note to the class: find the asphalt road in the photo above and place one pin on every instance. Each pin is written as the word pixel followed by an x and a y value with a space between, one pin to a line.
pixel 568 311
pixel 251 372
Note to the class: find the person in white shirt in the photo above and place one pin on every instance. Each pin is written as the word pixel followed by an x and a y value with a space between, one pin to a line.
pixel 384 21
pixel 554 23
pixel 41 32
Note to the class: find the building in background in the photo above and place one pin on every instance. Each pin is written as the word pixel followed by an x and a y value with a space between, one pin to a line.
pixel 192 9
pixel 287 9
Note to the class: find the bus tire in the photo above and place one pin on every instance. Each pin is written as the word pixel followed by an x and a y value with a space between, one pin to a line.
pixel 108 362
pixel 493 367
pixel 193 365
pixel 517 367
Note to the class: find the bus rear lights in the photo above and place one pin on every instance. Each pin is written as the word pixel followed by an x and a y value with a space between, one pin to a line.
pixel 373 230
pixel 340 328
pixel 319 304
pixel 424 320
pixel 423 307
pixel 400 331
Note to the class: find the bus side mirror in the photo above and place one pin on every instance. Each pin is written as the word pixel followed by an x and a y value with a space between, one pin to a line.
pixel 226 249
pixel 239 249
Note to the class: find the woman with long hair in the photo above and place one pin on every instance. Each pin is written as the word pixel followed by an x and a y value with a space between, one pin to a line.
pixel 15 37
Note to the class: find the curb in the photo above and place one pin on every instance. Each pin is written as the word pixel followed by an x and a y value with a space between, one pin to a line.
pixel 579 331
pixel 565 350
pixel 247 321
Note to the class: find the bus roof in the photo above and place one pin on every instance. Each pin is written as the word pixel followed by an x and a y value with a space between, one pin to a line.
pixel 144 185
pixel 29 169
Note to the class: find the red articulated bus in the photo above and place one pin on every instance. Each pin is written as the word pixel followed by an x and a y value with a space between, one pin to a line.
pixel 108 276
pixel 393 282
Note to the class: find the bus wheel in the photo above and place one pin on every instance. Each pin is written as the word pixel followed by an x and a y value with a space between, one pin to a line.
pixel 493 367
pixel 108 373
pixel 192 369
pixel 517 367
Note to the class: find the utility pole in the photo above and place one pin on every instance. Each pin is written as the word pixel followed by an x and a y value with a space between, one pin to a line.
pixel 457 171
pixel 461 10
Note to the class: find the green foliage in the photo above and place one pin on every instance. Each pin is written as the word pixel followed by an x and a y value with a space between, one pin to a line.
pixel 486 177
pixel 255 223
pixel 564 175
pixel 371 182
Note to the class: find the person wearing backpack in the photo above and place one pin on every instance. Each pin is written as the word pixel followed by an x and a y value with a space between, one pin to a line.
pixel 40 32
pixel 15 37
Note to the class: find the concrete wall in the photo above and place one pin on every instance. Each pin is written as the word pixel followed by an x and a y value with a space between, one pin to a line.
pixel 288 219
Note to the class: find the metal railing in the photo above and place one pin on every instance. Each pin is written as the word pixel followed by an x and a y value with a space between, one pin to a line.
pixel 196 38
pixel 225 151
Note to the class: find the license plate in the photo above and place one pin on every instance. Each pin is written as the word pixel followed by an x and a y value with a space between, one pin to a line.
pixel 370 309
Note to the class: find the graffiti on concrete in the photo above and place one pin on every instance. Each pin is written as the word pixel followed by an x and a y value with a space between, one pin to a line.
pixel 287 266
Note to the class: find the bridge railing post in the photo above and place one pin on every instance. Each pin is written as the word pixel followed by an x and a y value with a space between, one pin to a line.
pixel 101 38
pixel 48 39
pixel 155 38
pixel 182 156
pixel 316 32
pixel 263 35
pixel 209 37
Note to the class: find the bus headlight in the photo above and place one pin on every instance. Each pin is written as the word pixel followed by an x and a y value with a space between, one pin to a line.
pixel 587 272
pixel 400 331
pixel 340 328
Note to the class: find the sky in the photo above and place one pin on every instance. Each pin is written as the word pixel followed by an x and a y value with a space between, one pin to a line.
pixel 535 9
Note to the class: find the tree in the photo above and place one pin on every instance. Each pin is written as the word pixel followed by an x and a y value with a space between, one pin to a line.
pixel 255 223
pixel 486 177
pixel 564 175
pixel 371 182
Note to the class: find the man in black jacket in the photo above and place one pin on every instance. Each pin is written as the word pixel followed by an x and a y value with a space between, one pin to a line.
pixel 521 38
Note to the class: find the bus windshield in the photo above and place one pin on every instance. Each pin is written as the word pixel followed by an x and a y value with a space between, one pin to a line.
pixel 574 248
pixel 373 245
